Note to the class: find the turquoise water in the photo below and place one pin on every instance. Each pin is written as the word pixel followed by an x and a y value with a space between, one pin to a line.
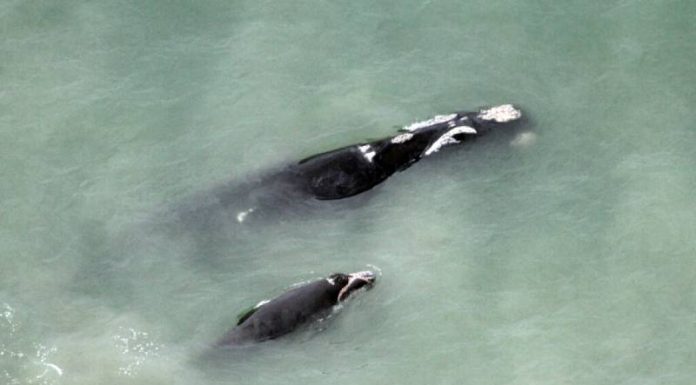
pixel 563 258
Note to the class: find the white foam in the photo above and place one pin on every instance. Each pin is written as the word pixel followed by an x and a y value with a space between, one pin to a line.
pixel 500 114
pixel 241 216
pixel 7 315
pixel 35 363
pixel 448 138
pixel 136 348
pixel 375 268
pixel 437 119
pixel 54 367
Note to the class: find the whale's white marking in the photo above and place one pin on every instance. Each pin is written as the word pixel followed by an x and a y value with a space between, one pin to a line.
pixel 265 301
pixel 331 281
pixel 343 290
pixel 402 138
pixel 367 152
pixel 500 114
pixel 448 138
pixel 361 275
pixel 241 216
pixel 364 275
pixel 425 123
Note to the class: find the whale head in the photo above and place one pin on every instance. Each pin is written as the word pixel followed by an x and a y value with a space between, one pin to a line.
pixel 502 121
pixel 458 127
pixel 350 283
pixel 486 116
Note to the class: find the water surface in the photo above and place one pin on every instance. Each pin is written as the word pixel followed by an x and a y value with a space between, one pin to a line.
pixel 569 259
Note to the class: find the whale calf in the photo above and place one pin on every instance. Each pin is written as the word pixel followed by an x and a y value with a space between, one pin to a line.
pixel 294 308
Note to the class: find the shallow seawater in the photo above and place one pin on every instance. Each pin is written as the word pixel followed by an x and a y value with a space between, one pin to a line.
pixel 565 255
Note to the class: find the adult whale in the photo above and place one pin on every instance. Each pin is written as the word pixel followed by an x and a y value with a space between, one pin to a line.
pixel 340 173
pixel 354 169
pixel 294 308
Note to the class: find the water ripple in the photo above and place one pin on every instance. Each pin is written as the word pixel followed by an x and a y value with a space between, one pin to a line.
pixel 21 367
pixel 136 347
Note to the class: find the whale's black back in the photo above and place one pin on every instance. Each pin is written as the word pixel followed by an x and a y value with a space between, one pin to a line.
pixel 285 313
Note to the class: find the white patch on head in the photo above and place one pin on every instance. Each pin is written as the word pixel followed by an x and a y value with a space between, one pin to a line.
pixel 448 138
pixel 331 281
pixel 500 114
pixel 365 274
pixel 402 138
pixel 437 119
pixel 353 277
pixel 367 152
pixel 241 216
pixel 524 139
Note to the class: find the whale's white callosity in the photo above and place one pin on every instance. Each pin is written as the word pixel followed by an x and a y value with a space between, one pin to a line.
pixel 367 277
pixel 437 119
pixel 261 303
pixel 367 152
pixel 401 138
pixel 448 138
pixel 500 114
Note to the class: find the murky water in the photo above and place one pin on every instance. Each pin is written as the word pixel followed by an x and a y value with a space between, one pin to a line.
pixel 563 256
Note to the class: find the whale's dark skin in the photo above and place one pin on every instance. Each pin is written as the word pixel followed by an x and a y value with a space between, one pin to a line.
pixel 294 308
pixel 354 169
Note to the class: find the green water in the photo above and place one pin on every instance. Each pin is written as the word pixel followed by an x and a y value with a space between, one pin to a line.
pixel 566 260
